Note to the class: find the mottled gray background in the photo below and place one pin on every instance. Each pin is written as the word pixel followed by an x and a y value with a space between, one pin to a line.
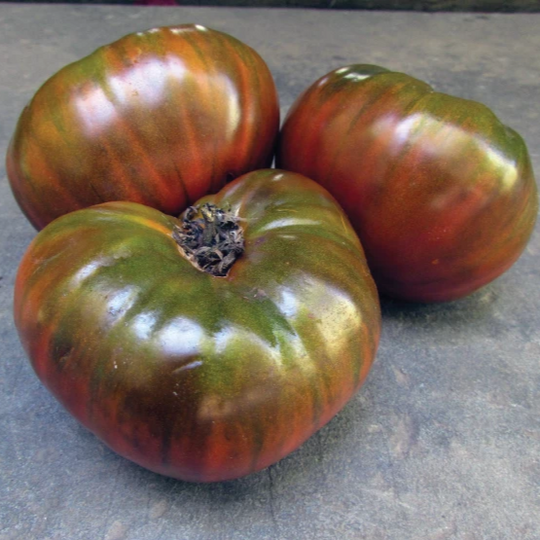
pixel 443 441
pixel 506 6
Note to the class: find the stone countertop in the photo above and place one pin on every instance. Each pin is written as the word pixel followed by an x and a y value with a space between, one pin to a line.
pixel 443 440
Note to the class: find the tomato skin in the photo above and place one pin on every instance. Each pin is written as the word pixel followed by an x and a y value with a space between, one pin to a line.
pixel 193 376
pixel 441 194
pixel 160 117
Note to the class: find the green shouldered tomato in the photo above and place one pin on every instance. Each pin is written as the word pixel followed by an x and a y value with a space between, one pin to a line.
pixel 195 376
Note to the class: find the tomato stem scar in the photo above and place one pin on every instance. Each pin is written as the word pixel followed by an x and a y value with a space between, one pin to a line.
pixel 210 238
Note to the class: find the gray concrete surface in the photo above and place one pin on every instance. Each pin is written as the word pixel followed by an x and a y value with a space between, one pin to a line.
pixel 503 6
pixel 443 441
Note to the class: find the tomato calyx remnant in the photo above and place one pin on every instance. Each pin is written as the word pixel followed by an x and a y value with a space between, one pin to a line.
pixel 210 238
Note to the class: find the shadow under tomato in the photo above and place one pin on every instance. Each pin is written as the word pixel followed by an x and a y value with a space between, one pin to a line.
pixel 475 307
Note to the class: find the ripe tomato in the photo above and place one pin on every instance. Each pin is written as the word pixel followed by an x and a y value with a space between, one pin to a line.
pixel 200 377
pixel 160 117
pixel 440 192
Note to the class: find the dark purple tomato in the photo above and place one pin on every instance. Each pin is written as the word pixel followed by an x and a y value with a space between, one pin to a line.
pixel 440 192
pixel 192 375
pixel 160 117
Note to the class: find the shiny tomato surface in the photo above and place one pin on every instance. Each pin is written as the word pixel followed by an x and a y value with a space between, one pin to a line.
pixel 199 377
pixel 441 193
pixel 160 117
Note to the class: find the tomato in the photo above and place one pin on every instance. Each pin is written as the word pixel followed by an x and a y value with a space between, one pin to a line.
pixel 160 117
pixel 191 375
pixel 441 193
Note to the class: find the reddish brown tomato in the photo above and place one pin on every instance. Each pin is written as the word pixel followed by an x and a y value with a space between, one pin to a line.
pixel 199 377
pixel 441 193
pixel 160 117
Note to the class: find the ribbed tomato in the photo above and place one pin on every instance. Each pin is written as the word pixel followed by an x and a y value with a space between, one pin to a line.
pixel 200 377
pixel 441 193
pixel 160 117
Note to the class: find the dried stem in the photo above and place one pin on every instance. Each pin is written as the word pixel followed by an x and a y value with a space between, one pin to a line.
pixel 210 238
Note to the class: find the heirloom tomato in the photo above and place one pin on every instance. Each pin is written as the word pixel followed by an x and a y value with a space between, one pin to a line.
pixel 199 376
pixel 160 117
pixel 441 193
